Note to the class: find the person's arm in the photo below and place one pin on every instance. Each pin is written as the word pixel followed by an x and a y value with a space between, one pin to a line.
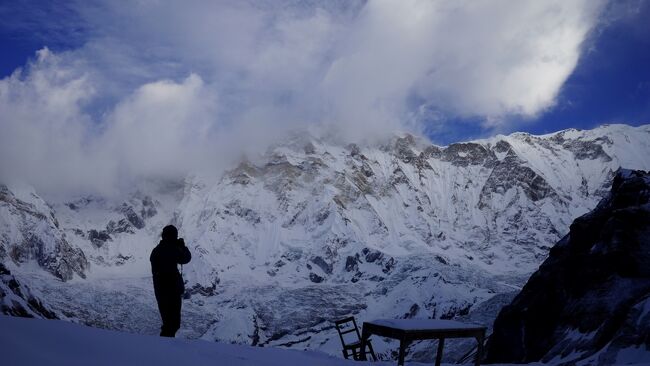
pixel 153 257
pixel 184 255
pixel 155 260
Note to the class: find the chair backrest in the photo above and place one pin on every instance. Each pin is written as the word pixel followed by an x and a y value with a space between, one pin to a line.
pixel 346 326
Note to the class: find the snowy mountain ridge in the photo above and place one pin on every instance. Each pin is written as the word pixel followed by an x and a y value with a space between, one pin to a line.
pixel 314 230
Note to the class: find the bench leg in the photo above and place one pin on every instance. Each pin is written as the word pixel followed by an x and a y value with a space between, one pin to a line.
pixel 372 352
pixel 479 350
pixel 402 351
pixel 364 340
pixel 441 345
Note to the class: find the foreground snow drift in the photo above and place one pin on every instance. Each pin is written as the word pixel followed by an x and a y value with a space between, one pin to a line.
pixel 52 342
pixel 26 341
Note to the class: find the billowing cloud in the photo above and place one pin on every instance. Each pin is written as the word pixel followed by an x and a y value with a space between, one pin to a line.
pixel 156 89
pixel 45 137
pixel 161 128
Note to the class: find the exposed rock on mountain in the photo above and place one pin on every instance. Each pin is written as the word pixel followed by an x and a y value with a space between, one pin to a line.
pixel 590 300
pixel 31 231
pixel 18 300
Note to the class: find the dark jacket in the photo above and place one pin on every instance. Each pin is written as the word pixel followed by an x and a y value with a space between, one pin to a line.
pixel 165 258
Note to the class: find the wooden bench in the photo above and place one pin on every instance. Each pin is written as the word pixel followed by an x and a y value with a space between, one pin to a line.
pixel 408 330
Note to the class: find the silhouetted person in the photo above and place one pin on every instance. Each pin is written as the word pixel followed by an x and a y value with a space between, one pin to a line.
pixel 167 281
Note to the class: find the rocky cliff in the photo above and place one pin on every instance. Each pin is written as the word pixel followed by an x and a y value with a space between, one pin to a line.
pixel 589 302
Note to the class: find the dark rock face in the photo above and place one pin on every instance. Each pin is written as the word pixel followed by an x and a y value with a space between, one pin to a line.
pixel 98 238
pixel 17 300
pixel 413 311
pixel 465 154
pixel 319 261
pixel 587 150
pixel 235 208
pixel 148 208
pixel 313 277
pixel 132 216
pixel 584 149
pixel 203 290
pixel 351 264
pixel 122 226
pixel 372 255
pixel 511 172
pixel 590 298
pixel 135 213
pixel 39 238
pixel 403 149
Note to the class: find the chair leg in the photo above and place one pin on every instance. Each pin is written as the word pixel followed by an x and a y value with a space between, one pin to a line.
pixel 345 354
pixel 479 350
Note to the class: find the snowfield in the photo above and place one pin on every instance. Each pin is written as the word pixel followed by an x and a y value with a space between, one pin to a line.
pixel 25 341
pixel 52 342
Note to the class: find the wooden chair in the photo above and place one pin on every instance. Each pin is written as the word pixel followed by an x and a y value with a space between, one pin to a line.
pixel 353 346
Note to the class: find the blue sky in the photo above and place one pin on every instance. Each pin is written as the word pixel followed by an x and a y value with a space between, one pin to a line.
pixel 140 87
pixel 612 80
pixel 610 83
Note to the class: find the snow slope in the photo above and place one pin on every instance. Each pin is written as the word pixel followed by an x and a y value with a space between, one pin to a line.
pixel 33 342
pixel 41 342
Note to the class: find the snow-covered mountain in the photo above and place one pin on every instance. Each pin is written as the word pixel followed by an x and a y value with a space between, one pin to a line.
pixel 315 229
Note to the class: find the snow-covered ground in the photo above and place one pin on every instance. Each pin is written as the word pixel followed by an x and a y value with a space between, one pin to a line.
pixel 25 341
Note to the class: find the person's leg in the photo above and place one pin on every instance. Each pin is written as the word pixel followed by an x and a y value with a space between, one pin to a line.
pixel 165 306
pixel 175 314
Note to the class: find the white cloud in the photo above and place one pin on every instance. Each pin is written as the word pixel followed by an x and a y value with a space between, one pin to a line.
pixel 162 129
pixel 159 88
pixel 507 57
pixel 466 58
pixel 44 133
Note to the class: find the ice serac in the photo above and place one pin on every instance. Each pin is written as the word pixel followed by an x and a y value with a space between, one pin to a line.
pixel 590 300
